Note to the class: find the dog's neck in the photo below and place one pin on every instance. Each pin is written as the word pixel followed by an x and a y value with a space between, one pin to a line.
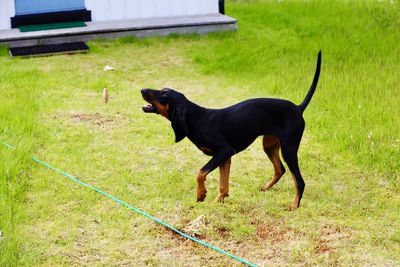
pixel 194 110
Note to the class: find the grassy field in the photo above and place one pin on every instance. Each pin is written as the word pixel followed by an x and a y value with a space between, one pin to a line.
pixel 350 154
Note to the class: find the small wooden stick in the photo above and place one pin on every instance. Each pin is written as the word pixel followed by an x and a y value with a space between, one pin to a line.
pixel 105 95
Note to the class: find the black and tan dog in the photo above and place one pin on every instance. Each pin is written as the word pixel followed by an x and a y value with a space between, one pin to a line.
pixel 221 133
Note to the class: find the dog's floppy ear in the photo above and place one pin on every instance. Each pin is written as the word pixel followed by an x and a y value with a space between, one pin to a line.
pixel 178 121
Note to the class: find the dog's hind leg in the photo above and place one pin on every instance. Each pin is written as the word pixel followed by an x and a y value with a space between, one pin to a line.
pixel 289 153
pixel 271 147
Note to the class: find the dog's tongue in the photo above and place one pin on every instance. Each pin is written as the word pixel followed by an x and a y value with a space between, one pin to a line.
pixel 149 108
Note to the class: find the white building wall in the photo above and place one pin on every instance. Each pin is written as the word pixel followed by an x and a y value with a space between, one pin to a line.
pixel 7 10
pixel 103 10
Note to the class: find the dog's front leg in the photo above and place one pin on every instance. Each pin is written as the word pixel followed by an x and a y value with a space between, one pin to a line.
pixel 215 161
pixel 224 170
pixel 201 185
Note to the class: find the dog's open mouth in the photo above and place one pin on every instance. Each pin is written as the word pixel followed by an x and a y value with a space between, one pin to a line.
pixel 149 109
pixel 149 97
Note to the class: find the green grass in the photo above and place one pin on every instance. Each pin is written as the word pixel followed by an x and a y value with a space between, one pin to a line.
pixel 52 107
pixel 17 119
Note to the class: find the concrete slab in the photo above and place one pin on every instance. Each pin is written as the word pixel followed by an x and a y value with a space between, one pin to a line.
pixel 112 29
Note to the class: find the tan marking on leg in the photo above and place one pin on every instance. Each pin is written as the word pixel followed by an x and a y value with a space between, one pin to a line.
pixel 201 186
pixel 269 140
pixel 224 170
pixel 206 150
pixel 296 200
pixel 271 147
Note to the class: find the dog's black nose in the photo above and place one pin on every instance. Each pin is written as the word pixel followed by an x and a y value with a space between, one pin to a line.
pixel 145 91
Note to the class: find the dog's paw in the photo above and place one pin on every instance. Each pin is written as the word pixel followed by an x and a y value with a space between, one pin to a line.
pixel 293 207
pixel 220 198
pixel 201 195
pixel 200 199
pixel 265 188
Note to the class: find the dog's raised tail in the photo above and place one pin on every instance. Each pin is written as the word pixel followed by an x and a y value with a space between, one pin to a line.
pixel 311 91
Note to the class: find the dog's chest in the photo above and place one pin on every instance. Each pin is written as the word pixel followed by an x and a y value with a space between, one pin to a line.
pixel 201 143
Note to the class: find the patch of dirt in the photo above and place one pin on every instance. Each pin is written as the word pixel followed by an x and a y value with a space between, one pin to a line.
pixel 323 248
pixel 223 232
pixel 97 119
pixel 330 238
pixel 276 232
